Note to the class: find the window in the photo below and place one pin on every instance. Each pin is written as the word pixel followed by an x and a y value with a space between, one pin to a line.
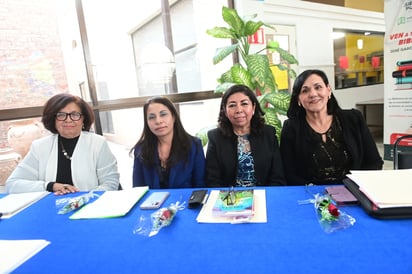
pixel 358 57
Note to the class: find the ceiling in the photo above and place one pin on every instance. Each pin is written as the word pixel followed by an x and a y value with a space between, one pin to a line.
pixel 371 5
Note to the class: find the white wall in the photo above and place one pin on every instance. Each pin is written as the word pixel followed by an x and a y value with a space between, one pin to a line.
pixel 314 24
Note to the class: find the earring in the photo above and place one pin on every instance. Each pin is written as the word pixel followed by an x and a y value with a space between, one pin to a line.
pixel 299 104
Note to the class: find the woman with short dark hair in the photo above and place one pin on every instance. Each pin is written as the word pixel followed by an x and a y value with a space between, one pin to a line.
pixel 71 159
pixel 242 151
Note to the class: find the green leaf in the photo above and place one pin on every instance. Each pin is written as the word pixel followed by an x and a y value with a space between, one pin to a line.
pixel 222 53
pixel 221 32
pixel 258 65
pixel 223 87
pixel 202 134
pixel 271 45
pixel 292 74
pixel 285 55
pixel 233 20
pixel 278 100
pixel 271 118
pixel 241 76
pixel 251 27
pixel 226 77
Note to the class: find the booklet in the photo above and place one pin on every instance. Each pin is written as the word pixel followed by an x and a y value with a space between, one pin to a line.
pixel 234 203
pixel 111 204
pixel 259 210
pixel 16 202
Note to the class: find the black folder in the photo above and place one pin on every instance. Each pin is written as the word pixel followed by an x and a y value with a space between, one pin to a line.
pixel 374 211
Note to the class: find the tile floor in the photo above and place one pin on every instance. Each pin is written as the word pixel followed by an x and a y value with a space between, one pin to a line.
pixel 125 163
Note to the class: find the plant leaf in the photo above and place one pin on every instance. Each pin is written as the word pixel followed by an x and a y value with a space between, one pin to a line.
pixel 271 118
pixel 226 77
pixel 221 32
pixel 285 55
pixel 258 65
pixel 241 76
pixel 232 18
pixel 222 53
pixel 223 87
pixel 251 27
pixel 202 134
pixel 278 100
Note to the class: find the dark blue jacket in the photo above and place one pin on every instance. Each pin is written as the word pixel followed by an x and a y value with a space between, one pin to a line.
pixel 183 175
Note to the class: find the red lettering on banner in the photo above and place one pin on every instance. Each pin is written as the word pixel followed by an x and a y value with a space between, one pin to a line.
pixel 396 36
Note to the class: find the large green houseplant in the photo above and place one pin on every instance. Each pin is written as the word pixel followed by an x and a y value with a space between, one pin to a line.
pixel 254 69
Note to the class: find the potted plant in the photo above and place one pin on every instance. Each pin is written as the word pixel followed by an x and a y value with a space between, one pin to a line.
pixel 254 68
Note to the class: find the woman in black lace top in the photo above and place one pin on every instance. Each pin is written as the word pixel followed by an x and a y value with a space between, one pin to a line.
pixel 320 143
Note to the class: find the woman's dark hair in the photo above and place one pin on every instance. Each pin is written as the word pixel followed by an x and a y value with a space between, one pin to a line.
pixel 257 122
pixel 294 109
pixel 58 102
pixel 181 144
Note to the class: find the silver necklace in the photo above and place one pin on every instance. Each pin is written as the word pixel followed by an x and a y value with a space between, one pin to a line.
pixel 66 155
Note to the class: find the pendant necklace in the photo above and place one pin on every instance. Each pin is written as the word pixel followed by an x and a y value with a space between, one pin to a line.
pixel 66 155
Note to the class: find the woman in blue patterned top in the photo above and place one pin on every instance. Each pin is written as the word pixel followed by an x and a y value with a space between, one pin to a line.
pixel 242 151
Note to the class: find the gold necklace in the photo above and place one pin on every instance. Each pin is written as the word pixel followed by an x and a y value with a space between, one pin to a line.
pixel 66 155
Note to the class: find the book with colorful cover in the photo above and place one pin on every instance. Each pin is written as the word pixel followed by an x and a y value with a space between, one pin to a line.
pixel 234 203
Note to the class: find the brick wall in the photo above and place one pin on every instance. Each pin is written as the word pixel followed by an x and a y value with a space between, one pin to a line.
pixel 31 61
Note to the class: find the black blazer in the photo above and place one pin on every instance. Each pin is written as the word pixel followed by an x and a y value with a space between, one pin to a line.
pixel 296 146
pixel 221 158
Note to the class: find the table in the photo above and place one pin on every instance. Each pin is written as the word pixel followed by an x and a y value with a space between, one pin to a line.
pixel 290 242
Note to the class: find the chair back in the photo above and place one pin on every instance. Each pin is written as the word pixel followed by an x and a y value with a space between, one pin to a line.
pixel 401 160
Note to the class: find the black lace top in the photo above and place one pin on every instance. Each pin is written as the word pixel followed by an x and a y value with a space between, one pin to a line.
pixel 331 160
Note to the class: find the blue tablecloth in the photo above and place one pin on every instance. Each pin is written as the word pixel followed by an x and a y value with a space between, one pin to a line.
pixel 291 241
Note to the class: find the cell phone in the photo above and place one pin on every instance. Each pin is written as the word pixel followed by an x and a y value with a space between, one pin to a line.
pixel 341 195
pixel 197 198
pixel 155 200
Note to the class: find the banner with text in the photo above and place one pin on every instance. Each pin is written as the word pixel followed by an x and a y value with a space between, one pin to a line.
pixel 398 74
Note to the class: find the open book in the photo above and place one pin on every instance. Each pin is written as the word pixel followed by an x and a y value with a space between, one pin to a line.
pixel 14 203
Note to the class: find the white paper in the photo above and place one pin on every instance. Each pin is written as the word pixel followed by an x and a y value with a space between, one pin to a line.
pixel 14 203
pixel 15 252
pixel 385 188
pixel 260 216
pixel 111 204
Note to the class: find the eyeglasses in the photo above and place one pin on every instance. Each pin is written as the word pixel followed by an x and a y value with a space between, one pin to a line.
pixel 62 116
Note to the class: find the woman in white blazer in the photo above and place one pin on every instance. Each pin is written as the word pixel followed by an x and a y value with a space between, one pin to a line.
pixel 71 159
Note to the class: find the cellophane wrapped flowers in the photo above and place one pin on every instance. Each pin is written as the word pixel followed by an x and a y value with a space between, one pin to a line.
pixel 159 219
pixel 331 218
pixel 66 205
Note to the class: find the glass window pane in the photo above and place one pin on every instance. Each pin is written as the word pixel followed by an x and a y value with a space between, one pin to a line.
pixel 358 57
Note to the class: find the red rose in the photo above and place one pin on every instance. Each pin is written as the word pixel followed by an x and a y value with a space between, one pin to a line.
pixel 166 214
pixel 333 210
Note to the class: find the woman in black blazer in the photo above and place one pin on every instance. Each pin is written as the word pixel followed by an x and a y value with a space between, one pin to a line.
pixel 242 151
pixel 320 142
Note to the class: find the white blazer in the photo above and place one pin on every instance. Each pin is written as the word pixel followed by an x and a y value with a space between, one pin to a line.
pixel 94 167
